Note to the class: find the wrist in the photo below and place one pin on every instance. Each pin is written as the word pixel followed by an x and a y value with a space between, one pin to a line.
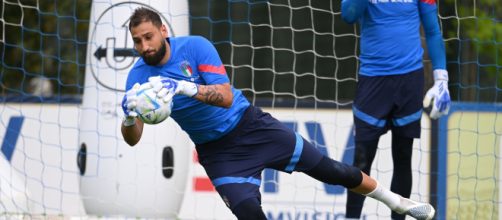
pixel 190 89
pixel 440 74
pixel 129 121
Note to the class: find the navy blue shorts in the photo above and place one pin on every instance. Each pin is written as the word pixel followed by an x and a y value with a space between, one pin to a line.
pixel 385 103
pixel 234 163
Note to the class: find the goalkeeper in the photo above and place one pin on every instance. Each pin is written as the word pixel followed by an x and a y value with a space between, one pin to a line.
pixel 235 141
pixel 390 85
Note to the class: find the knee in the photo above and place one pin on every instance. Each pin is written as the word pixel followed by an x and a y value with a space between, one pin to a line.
pixel 249 209
pixel 402 149
pixel 361 161
pixel 336 173
pixel 402 157
pixel 347 176
pixel 364 154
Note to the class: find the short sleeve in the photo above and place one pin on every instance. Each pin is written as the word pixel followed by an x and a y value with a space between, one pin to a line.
pixel 209 64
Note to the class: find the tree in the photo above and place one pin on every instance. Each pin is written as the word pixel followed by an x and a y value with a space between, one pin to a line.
pixel 44 39
pixel 473 33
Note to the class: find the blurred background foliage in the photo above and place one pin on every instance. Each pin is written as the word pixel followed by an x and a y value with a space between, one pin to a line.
pixel 473 34
pixel 43 39
pixel 275 50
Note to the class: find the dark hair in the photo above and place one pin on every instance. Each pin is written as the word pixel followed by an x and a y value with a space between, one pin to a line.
pixel 143 14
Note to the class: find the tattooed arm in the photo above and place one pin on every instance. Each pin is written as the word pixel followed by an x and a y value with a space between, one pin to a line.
pixel 217 95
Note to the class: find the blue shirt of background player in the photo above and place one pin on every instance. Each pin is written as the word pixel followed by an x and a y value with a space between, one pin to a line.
pixel 194 59
pixel 390 41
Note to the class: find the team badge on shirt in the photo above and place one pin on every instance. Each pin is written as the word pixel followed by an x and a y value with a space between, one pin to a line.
pixel 186 69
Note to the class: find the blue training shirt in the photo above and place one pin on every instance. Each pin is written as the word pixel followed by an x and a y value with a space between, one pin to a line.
pixel 390 36
pixel 194 59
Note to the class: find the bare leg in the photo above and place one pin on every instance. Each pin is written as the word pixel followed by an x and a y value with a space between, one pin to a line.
pixel 367 185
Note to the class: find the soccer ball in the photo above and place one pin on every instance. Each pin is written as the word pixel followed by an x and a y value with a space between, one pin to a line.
pixel 150 108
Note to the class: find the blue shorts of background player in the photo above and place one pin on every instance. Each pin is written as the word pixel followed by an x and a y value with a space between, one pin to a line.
pixel 392 102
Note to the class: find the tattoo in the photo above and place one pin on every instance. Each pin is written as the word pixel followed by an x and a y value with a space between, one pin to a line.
pixel 211 95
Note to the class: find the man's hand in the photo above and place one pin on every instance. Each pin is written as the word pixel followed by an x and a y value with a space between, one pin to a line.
pixel 129 103
pixel 166 87
pixel 440 94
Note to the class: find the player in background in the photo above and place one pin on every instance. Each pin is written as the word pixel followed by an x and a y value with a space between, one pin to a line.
pixel 234 140
pixel 390 85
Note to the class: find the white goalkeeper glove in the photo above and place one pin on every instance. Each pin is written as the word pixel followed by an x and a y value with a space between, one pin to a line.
pixel 440 94
pixel 166 87
pixel 129 104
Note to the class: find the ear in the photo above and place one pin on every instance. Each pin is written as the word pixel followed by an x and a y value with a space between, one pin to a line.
pixel 163 30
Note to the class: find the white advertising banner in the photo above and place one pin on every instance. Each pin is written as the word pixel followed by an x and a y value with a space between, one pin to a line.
pixel 47 144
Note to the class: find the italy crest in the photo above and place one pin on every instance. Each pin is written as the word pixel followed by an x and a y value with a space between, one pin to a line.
pixel 186 69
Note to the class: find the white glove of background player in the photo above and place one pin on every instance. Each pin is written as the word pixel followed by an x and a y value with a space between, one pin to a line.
pixel 167 87
pixel 439 94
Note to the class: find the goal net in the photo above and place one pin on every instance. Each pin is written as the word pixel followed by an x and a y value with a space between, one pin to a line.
pixel 64 65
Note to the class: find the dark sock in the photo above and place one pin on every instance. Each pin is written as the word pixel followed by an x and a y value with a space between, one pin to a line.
pixel 402 148
pixel 363 158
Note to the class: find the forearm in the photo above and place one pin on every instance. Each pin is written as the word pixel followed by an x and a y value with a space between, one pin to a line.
pixel 434 40
pixel 217 95
pixel 438 95
pixel 132 134
pixel 352 10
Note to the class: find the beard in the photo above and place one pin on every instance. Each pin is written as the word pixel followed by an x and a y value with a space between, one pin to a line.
pixel 155 59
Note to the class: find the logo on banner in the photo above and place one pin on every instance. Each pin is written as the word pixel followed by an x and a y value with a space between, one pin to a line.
pixel 111 49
